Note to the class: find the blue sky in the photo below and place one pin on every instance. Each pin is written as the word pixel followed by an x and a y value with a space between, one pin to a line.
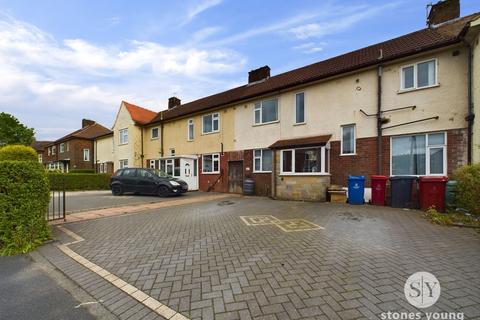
pixel 61 61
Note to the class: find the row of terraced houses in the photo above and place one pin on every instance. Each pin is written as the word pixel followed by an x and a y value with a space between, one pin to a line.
pixel 401 107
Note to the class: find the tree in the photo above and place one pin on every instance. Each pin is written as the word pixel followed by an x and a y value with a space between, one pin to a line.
pixel 14 132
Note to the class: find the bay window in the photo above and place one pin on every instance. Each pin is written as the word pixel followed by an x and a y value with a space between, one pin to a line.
pixel 304 161
pixel 419 155
pixel 419 75
pixel 266 111
pixel 211 163
pixel 262 159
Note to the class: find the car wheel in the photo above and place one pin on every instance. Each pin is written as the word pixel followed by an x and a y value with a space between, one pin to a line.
pixel 117 190
pixel 163 191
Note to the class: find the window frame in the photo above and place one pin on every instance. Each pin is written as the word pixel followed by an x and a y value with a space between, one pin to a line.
pixel 86 159
pixel 121 135
pixel 261 160
pixel 415 76
pixel 261 123
pixel 61 149
pixel 427 155
pixel 325 168
pixel 123 163
pixel 151 134
pixel 215 116
pixel 295 123
pixel 190 124
pixel 214 155
pixel 354 153
pixel 54 150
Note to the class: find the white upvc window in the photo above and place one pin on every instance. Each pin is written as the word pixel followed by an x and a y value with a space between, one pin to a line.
pixel 300 108
pixel 262 160
pixel 54 150
pixel 154 133
pixel 348 140
pixel 190 129
pixel 123 163
pixel 153 164
pixel 86 154
pixel 123 136
pixel 419 75
pixel 211 123
pixel 304 161
pixel 419 155
pixel 211 163
pixel 265 111
pixel 62 147
pixel 172 152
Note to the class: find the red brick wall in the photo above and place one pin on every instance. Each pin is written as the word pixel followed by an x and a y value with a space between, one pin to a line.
pixel 456 149
pixel 263 181
pixel 207 180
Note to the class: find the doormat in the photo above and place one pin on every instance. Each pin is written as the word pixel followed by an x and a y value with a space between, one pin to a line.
pixel 289 225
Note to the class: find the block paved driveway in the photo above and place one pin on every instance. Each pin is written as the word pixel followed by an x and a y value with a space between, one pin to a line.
pixel 203 260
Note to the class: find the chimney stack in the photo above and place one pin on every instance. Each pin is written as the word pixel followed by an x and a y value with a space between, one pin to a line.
pixel 173 102
pixel 259 74
pixel 443 11
pixel 87 122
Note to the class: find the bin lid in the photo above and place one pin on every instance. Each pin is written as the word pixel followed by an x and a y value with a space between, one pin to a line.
pixel 433 179
pixel 452 182
pixel 403 178
pixel 376 177
pixel 356 178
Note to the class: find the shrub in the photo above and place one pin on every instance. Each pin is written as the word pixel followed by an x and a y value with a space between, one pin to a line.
pixel 468 188
pixel 24 199
pixel 80 181
pixel 82 171
pixel 18 152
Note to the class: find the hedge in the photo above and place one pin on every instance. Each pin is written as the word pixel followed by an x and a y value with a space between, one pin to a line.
pixel 468 188
pixel 18 152
pixel 24 199
pixel 82 171
pixel 79 181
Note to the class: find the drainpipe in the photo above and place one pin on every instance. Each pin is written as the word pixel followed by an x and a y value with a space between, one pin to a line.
pixel 161 139
pixel 471 115
pixel 379 120
pixel 274 174
pixel 95 148
pixel 141 138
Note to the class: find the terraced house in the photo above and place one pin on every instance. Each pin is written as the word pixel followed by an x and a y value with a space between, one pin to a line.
pixel 401 107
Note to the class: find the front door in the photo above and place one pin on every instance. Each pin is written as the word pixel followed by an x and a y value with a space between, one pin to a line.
pixel 235 176
pixel 189 172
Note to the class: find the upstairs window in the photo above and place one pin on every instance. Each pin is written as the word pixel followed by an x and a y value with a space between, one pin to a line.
pixel 190 130
pixel 62 147
pixel 123 136
pixel 54 150
pixel 262 160
pixel 419 75
pixel 49 150
pixel 154 133
pixel 86 154
pixel 348 140
pixel 266 111
pixel 300 108
pixel 211 123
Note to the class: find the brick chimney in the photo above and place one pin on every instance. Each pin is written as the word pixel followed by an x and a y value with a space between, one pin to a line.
pixel 443 11
pixel 173 102
pixel 259 74
pixel 87 122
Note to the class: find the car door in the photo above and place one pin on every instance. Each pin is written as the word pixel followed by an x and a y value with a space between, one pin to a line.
pixel 128 180
pixel 145 182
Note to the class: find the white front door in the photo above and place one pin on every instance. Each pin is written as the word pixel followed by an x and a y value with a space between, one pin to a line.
pixel 189 172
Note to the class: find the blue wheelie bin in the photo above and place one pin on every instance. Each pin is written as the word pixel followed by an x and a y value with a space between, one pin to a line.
pixel 356 189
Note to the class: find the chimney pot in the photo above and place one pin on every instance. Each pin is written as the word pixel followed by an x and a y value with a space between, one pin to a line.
pixel 443 11
pixel 87 122
pixel 173 102
pixel 259 74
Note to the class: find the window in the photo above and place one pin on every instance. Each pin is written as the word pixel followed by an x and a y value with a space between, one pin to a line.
pixel 62 147
pixel 348 140
pixel 300 108
pixel 211 163
pixel 190 130
pixel 128 172
pixel 54 149
pixel 419 75
pixel 68 146
pixel 304 161
pixel 123 136
pixel 40 158
pixel 49 150
pixel 266 111
pixel 154 133
pixel 172 152
pixel 211 123
pixel 419 155
pixel 123 163
pixel 262 159
pixel 86 154
pixel 153 164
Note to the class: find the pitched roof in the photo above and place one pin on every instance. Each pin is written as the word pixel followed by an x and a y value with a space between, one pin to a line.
pixel 301 142
pixel 89 132
pixel 412 43
pixel 40 145
pixel 139 114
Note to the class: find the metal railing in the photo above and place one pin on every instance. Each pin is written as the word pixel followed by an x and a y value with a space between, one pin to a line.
pixel 57 206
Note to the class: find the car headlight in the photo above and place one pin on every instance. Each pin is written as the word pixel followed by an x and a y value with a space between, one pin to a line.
pixel 174 183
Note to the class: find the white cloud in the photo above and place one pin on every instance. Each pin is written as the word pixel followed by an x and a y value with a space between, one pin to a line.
pixel 202 6
pixel 310 47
